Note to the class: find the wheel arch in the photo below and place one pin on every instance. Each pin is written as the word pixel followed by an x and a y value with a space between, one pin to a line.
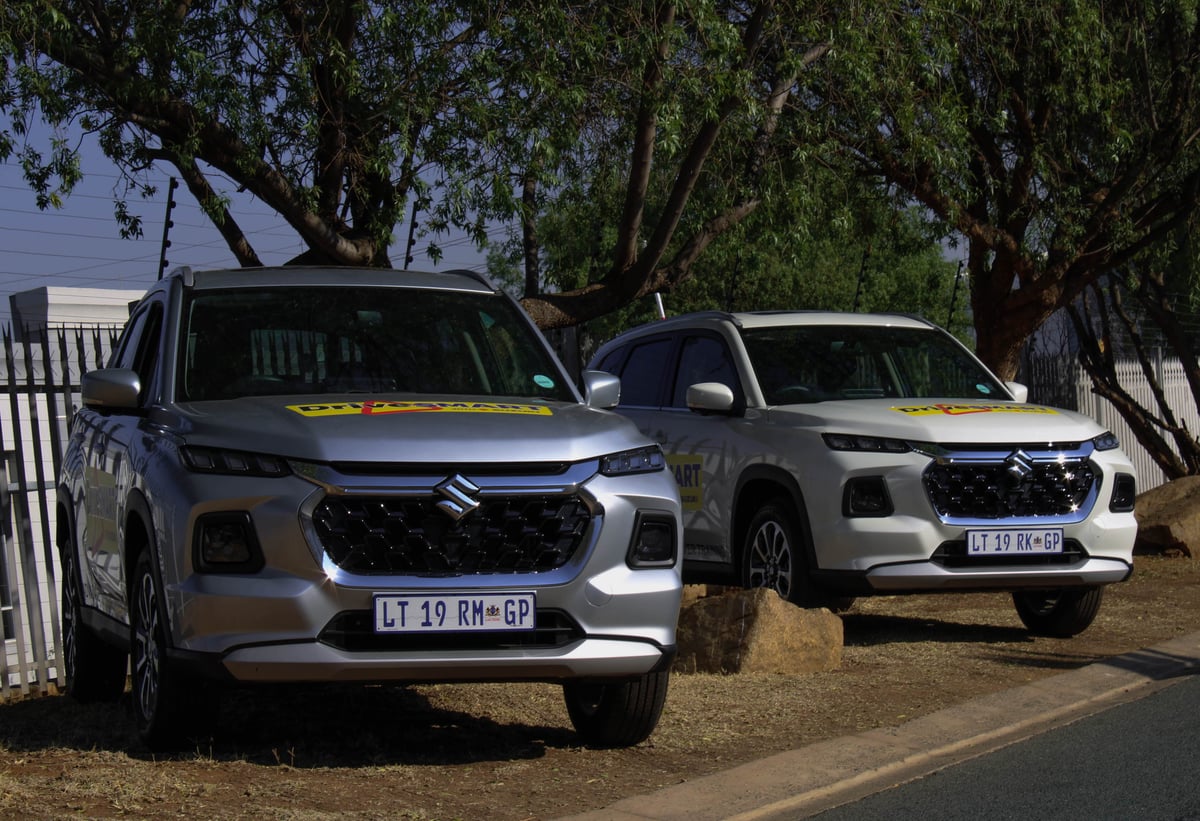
pixel 756 485
pixel 137 527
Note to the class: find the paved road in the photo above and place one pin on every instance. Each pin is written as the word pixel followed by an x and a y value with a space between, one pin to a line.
pixel 802 783
pixel 1136 760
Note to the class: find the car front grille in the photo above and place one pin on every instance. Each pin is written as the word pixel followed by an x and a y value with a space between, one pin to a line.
pixel 1018 484
pixel 412 536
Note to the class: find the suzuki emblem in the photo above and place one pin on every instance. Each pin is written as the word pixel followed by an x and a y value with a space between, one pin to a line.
pixel 459 492
pixel 1019 465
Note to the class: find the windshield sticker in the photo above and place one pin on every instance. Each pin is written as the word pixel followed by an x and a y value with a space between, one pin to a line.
pixel 965 409
pixel 372 407
pixel 690 480
pixel 984 389
pixel 543 381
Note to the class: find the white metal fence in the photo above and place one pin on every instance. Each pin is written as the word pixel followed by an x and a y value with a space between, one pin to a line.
pixel 1062 382
pixel 1170 376
pixel 38 389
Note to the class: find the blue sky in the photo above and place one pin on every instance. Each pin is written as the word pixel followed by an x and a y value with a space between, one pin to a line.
pixel 80 245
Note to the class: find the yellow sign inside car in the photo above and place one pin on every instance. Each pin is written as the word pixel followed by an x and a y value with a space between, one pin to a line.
pixel 964 409
pixel 379 407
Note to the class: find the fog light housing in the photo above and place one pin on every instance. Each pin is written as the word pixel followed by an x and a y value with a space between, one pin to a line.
pixel 866 496
pixel 1124 491
pixel 655 541
pixel 226 543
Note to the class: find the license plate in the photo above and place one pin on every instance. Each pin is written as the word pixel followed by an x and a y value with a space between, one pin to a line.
pixel 453 612
pixel 1015 542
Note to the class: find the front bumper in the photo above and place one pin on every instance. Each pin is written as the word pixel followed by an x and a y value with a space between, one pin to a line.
pixel 314 662
pixel 304 619
pixel 912 550
pixel 930 577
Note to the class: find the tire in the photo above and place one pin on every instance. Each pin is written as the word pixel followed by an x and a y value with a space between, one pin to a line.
pixel 92 670
pixel 1058 613
pixel 169 710
pixel 773 556
pixel 618 714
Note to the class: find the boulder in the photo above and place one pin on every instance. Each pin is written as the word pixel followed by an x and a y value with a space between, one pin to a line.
pixel 756 631
pixel 1169 519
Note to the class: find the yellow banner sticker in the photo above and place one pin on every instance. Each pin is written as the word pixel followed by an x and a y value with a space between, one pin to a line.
pixel 379 407
pixel 967 409
pixel 690 478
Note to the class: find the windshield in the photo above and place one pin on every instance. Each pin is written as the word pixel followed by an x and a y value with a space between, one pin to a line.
pixel 818 363
pixel 305 340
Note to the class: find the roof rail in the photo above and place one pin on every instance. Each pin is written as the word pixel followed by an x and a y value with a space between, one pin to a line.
pixel 481 278
pixel 184 272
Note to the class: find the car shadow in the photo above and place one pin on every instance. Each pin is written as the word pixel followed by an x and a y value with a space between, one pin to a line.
pixel 866 630
pixel 301 727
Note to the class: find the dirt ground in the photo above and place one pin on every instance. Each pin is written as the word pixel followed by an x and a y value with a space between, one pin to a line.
pixel 507 752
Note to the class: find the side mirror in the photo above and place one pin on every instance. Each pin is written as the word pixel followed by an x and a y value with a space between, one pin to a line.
pixel 710 397
pixel 601 390
pixel 1020 392
pixel 111 388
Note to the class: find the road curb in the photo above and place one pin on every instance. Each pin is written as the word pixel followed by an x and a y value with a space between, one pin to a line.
pixel 802 782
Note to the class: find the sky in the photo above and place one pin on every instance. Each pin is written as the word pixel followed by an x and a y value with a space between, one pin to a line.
pixel 79 245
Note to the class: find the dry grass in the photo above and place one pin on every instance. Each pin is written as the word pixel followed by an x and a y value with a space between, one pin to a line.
pixel 507 751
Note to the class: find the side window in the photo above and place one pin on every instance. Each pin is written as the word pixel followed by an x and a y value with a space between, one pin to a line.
pixel 645 373
pixel 126 350
pixel 139 349
pixel 703 359
pixel 609 363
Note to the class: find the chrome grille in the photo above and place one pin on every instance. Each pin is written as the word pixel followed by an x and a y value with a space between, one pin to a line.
pixel 411 536
pixel 1018 485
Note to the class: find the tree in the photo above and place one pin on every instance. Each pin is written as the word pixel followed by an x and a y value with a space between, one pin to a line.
pixel 325 112
pixel 1135 314
pixel 1057 139
pixel 336 114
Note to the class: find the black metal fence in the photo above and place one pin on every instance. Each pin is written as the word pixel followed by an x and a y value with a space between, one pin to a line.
pixel 41 379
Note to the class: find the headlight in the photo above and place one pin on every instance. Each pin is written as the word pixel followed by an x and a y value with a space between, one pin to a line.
pixel 233 462
pixel 878 444
pixel 639 460
pixel 1106 441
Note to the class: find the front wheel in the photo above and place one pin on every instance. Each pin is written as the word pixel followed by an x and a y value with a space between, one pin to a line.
pixel 1058 613
pixel 773 557
pixel 618 714
pixel 169 710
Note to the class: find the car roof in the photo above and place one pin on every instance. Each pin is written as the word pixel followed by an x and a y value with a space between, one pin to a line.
pixel 776 319
pixel 301 275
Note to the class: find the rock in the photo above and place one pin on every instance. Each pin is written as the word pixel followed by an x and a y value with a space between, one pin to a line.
pixel 756 631
pixel 1169 519
pixel 693 593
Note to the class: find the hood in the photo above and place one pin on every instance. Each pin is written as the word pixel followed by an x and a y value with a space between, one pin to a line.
pixel 355 428
pixel 944 420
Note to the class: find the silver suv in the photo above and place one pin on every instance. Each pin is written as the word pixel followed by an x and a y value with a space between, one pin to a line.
pixel 332 475
pixel 830 455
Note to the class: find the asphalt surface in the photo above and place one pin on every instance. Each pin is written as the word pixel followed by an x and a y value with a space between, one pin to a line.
pixel 809 780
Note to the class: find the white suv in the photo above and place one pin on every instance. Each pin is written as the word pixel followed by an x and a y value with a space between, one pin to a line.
pixel 831 455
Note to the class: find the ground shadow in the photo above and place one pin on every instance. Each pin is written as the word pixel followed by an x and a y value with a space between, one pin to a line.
pixel 866 630
pixel 319 726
